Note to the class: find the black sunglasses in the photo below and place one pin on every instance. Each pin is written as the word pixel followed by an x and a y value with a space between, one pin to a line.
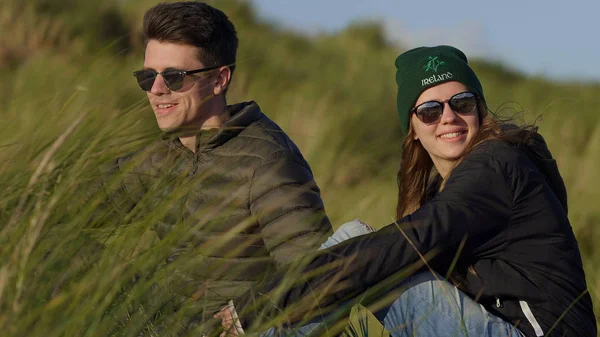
pixel 173 77
pixel 430 112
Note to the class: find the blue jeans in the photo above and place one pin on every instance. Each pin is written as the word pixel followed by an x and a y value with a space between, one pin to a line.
pixel 429 307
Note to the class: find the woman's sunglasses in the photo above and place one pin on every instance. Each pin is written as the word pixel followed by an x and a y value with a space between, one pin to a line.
pixel 430 112
pixel 173 77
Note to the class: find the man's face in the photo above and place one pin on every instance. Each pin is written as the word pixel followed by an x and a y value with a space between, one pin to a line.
pixel 186 107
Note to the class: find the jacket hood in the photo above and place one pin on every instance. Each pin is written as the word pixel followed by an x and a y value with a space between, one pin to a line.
pixel 538 150
pixel 241 115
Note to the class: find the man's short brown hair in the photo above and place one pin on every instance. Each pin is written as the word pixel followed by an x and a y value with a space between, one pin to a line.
pixel 196 24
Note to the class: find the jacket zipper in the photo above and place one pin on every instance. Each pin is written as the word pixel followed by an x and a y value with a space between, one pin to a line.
pixel 195 164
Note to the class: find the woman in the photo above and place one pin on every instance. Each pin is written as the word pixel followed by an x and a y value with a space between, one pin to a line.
pixel 478 201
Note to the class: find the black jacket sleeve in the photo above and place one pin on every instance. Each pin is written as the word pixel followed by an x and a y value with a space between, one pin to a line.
pixel 475 204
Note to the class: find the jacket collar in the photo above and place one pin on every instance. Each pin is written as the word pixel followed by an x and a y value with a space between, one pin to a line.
pixel 241 116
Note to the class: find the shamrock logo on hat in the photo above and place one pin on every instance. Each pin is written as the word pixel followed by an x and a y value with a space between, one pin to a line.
pixel 433 63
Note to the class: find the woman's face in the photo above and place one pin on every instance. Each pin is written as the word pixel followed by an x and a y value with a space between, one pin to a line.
pixel 447 138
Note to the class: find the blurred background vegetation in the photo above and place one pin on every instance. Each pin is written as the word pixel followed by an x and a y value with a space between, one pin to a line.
pixel 70 101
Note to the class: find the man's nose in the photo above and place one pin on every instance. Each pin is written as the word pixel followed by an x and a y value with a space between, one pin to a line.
pixel 159 87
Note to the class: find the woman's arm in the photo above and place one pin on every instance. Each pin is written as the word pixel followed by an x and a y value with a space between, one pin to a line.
pixel 475 204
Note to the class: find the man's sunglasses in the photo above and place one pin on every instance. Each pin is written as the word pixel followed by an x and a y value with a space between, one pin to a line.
pixel 430 112
pixel 173 77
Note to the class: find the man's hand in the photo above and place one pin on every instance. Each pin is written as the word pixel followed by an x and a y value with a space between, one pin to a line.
pixel 227 322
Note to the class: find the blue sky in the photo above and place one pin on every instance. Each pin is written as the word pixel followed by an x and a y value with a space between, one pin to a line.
pixel 555 38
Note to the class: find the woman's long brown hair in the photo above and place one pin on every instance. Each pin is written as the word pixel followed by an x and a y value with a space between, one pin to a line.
pixel 417 171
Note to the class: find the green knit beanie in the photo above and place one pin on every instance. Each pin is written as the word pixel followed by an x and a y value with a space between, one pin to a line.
pixel 425 67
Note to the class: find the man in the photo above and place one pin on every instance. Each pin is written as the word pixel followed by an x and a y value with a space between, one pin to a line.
pixel 237 196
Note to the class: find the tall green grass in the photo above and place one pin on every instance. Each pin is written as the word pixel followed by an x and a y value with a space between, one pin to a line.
pixel 70 104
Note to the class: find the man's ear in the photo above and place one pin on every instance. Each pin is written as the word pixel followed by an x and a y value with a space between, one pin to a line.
pixel 222 80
